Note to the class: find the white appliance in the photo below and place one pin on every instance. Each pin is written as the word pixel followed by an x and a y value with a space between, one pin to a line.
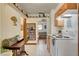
pixel 64 47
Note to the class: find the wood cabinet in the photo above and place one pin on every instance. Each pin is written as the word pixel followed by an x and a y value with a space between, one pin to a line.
pixel 61 10
pixel 59 23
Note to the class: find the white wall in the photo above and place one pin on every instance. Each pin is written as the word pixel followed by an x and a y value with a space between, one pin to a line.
pixel 0 19
pixel 52 17
pixel 0 24
pixel 7 29
pixel 53 30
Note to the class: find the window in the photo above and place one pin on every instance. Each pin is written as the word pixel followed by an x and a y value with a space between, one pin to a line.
pixel 39 27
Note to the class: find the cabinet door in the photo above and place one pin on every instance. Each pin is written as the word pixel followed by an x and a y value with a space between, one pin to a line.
pixel 65 48
pixel 59 23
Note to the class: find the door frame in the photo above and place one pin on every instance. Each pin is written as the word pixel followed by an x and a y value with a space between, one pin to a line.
pixel 24 30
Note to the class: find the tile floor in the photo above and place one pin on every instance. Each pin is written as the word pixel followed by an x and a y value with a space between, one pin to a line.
pixel 37 50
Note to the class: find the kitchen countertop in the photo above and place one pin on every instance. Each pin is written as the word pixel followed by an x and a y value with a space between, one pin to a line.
pixel 62 38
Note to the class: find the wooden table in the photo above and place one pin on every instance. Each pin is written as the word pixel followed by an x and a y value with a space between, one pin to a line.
pixel 17 48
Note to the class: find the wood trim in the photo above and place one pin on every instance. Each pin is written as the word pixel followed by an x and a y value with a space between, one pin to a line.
pixel 71 5
pixel 48 43
pixel 31 43
pixel 24 30
pixel 65 7
pixel 61 10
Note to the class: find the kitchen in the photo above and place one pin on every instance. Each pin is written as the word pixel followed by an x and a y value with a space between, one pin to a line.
pixel 65 31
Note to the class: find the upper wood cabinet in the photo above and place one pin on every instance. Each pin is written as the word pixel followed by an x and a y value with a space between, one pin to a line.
pixel 61 10
pixel 65 7
pixel 59 23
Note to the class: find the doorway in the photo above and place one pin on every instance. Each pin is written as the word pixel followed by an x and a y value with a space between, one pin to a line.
pixel 31 31
pixel 42 30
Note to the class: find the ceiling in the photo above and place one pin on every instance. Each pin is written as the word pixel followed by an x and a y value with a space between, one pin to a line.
pixel 34 8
